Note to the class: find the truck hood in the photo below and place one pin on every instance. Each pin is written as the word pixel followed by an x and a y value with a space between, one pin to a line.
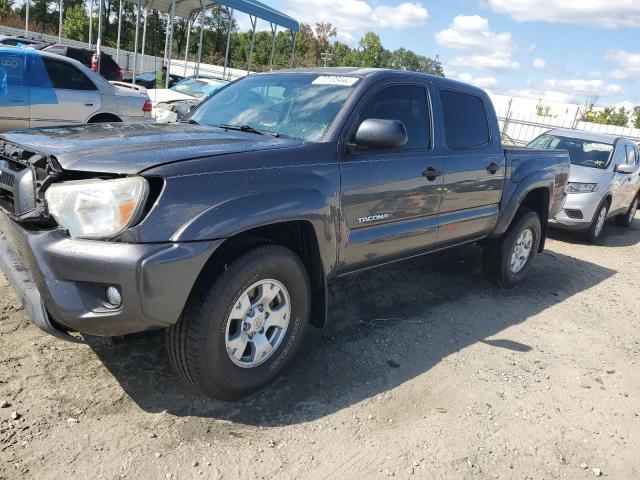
pixel 134 147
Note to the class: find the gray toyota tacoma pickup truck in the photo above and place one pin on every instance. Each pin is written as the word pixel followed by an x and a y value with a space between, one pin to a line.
pixel 226 228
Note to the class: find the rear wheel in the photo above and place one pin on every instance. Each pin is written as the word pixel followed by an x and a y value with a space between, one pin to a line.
pixel 239 333
pixel 626 219
pixel 594 234
pixel 507 260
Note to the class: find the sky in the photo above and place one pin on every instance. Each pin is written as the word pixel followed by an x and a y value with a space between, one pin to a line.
pixel 554 50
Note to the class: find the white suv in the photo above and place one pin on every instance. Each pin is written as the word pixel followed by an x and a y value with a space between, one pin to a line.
pixel 39 89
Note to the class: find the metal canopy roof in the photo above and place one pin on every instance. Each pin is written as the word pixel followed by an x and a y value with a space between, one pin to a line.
pixel 184 8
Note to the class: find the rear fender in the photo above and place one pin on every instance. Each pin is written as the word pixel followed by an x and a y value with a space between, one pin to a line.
pixel 515 193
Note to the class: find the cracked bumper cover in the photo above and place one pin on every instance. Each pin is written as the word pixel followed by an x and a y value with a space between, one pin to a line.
pixel 62 280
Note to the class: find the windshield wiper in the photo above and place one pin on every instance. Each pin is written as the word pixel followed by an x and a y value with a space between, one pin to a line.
pixel 247 128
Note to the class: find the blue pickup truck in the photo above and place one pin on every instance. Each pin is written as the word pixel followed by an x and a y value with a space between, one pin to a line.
pixel 225 229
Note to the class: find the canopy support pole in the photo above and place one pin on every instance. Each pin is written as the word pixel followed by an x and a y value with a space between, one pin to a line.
pixel 254 22
pixel 144 33
pixel 274 28
pixel 166 44
pixel 119 30
pixel 171 22
pixel 135 46
pixel 293 50
pixel 90 24
pixel 226 54
pixel 186 48
pixel 60 22
pixel 99 36
pixel 202 19
pixel 26 19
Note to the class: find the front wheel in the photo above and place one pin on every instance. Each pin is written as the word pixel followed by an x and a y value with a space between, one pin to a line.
pixel 508 259
pixel 594 234
pixel 238 333
pixel 626 219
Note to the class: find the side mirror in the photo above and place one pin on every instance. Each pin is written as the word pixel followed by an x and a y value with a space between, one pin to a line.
pixel 625 168
pixel 379 134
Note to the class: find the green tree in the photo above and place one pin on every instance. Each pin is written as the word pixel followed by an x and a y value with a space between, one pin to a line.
pixel 76 23
pixel 372 53
pixel 619 117
pixel 543 111
pixel 635 117
pixel 5 8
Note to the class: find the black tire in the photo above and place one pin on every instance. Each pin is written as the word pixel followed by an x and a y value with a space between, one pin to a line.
pixel 626 219
pixel 196 344
pixel 593 234
pixel 497 254
pixel 105 118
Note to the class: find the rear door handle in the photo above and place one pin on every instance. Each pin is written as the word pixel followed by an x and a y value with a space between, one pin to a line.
pixel 431 173
pixel 492 168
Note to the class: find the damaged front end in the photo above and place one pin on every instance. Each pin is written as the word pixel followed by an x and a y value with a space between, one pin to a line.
pixel 24 176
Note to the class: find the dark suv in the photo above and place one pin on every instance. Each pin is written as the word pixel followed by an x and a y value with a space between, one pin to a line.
pixel 109 69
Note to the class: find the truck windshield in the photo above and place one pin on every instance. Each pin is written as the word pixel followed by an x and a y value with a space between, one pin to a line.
pixel 291 105
pixel 585 153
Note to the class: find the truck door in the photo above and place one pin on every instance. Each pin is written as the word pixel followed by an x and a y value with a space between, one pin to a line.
pixel 389 203
pixel 14 91
pixel 473 165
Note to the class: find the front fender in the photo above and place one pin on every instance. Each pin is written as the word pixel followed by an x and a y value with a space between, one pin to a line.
pixel 240 214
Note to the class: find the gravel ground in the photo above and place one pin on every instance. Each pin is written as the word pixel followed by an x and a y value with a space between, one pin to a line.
pixel 426 371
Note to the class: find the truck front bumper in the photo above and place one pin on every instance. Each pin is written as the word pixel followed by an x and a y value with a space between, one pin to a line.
pixel 63 281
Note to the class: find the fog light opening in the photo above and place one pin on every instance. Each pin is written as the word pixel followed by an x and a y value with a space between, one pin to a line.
pixel 114 297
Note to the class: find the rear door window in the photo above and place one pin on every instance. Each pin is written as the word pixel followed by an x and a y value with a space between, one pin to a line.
pixel 66 76
pixel 465 120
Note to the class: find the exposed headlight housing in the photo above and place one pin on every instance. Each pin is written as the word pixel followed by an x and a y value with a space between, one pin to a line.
pixel 574 187
pixel 97 208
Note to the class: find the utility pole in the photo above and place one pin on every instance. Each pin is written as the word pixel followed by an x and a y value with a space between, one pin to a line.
pixel 326 56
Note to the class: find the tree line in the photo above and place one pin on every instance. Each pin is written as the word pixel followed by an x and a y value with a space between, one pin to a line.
pixel 315 46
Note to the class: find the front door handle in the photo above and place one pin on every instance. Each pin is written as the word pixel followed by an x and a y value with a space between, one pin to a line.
pixel 431 173
pixel 492 168
pixel 88 104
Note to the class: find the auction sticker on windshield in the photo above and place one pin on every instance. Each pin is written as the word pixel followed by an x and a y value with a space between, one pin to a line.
pixel 335 80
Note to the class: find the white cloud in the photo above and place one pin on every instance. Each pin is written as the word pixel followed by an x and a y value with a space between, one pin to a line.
pixel 481 82
pixel 568 91
pixel 358 15
pixel 599 13
pixel 472 33
pixel 628 63
pixel 487 49
pixel 539 64
pixel 583 87
pixel 496 62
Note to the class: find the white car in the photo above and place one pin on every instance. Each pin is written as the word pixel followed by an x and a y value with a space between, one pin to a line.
pixel 169 104
pixel 604 181
pixel 39 89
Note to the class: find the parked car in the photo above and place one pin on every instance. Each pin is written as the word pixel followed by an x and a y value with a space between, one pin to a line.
pixel 20 41
pixel 109 69
pixel 225 229
pixel 148 79
pixel 169 105
pixel 604 180
pixel 39 89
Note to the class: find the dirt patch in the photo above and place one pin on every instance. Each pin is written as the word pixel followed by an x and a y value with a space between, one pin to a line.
pixel 425 370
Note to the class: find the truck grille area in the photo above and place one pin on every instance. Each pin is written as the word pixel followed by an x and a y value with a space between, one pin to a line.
pixel 17 180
